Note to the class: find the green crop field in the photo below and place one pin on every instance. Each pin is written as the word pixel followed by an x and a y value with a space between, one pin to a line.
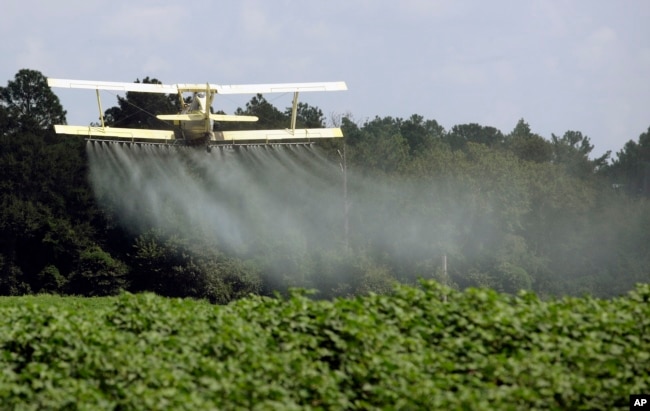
pixel 426 347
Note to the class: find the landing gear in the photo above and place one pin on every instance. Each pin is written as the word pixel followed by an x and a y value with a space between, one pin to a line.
pixel 208 148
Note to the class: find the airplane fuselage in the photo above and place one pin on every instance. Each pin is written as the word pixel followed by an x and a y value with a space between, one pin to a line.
pixel 197 131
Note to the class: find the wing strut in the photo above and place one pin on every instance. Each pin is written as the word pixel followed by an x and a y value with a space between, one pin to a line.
pixel 294 112
pixel 101 113
pixel 208 105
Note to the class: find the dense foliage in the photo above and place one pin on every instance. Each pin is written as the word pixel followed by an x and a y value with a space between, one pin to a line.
pixel 418 348
pixel 510 211
pixel 27 105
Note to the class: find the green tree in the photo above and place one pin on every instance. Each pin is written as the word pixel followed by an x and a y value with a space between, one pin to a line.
pixel 351 131
pixel 572 152
pixel 6 121
pixel 46 205
pixel 462 134
pixel 307 116
pixel 420 134
pixel 12 279
pixel 527 145
pixel 269 116
pixel 631 167
pixel 557 228
pixel 98 274
pixel 28 105
pixel 51 280
pixel 33 215
pixel 169 266
pixel 378 145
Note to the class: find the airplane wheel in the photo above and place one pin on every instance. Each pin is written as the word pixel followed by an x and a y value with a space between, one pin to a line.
pixel 208 149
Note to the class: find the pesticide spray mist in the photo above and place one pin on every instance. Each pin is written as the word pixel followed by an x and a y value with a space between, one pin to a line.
pixel 250 198
pixel 236 195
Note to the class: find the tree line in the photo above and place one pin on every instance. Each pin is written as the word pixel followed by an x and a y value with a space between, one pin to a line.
pixel 510 211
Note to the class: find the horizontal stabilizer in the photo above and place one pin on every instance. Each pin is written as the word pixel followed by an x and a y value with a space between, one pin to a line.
pixel 181 117
pixel 229 117
pixel 130 133
pixel 285 134
pixel 198 117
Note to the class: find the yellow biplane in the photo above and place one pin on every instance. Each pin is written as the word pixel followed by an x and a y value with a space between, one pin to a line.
pixel 194 125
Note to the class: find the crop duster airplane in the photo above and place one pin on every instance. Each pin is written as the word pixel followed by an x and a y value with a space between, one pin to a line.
pixel 194 125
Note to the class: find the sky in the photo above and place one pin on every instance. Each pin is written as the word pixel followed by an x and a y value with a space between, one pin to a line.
pixel 581 65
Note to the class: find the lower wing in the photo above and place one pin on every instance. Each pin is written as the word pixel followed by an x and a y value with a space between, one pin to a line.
pixel 115 132
pixel 280 134
pixel 167 136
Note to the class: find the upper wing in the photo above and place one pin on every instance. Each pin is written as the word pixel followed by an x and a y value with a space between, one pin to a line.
pixel 113 85
pixel 280 88
pixel 219 89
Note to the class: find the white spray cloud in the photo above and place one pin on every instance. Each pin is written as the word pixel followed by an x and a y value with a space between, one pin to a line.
pixel 260 199
pixel 238 195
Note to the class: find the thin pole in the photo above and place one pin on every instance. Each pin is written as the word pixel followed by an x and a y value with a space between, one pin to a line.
pixel 346 203
pixel 444 274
